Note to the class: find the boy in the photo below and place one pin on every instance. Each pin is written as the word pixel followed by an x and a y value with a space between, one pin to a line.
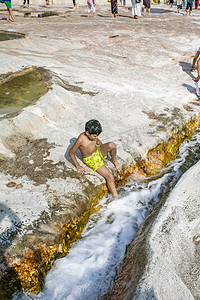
pixel 197 79
pixel 93 152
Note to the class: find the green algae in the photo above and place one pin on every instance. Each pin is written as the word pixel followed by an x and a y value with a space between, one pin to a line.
pixel 5 36
pixel 21 91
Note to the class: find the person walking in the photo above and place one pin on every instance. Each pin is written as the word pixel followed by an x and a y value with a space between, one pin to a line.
pixel 114 8
pixel 146 4
pixel 136 8
pixel 25 3
pixel 91 7
pixel 189 6
pixel 75 4
pixel 184 3
pixel 179 5
pixel 9 10
pixel 123 3
pixel 196 4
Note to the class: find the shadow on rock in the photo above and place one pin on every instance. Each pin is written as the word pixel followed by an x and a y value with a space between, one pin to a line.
pixel 190 88
pixel 77 153
pixel 8 275
pixel 186 67
pixel 145 295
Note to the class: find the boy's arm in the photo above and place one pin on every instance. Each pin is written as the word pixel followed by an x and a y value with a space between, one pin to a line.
pixel 194 60
pixel 73 157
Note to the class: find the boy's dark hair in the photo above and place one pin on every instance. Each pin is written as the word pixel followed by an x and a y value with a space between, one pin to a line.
pixel 93 127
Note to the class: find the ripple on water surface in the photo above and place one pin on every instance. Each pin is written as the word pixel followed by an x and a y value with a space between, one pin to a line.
pixel 21 91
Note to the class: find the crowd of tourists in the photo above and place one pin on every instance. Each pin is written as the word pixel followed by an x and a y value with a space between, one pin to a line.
pixel 137 9
pixel 136 6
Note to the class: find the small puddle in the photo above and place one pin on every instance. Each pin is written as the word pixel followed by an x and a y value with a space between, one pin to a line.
pixel 4 36
pixel 21 91
pixel 47 14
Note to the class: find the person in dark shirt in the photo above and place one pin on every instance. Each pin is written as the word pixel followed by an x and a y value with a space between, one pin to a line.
pixel 146 4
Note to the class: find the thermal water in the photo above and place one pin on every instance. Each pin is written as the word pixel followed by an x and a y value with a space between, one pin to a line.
pixel 88 270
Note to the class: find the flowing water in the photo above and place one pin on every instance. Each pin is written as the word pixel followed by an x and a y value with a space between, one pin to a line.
pixel 87 272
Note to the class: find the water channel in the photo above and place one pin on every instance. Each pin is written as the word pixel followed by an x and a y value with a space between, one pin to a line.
pixel 88 271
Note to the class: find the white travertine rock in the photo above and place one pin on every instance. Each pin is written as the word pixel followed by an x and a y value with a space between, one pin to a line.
pixel 131 75
pixel 172 270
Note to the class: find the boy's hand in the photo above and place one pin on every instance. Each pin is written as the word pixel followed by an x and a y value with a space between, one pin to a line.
pixel 81 170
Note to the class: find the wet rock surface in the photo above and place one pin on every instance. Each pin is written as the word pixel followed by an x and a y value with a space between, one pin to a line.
pixel 163 260
pixel 132 75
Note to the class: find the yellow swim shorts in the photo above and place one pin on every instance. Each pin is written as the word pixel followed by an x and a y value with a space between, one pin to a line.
pixel 95 161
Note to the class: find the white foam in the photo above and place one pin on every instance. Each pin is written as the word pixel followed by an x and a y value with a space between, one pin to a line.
pixel 88 270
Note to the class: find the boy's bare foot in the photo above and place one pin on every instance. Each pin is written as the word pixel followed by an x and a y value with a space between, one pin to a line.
pixel 117 165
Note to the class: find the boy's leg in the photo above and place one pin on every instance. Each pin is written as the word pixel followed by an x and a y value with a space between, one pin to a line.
pixel 103 171
pixel 196 79
pixel 112 149
pixel 198 88
pixel 198 68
